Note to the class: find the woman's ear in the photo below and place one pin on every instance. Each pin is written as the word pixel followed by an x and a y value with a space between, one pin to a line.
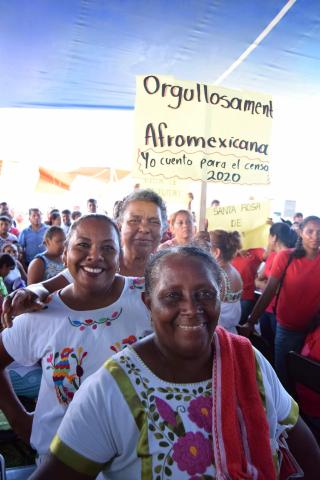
pixel 146 300
pixel 216 252
pixel 64 256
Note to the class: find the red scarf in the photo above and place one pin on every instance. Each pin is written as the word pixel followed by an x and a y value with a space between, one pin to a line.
pixel 240 430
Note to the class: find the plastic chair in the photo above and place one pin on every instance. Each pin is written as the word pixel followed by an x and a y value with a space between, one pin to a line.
pixel 2 468
pixel 302 370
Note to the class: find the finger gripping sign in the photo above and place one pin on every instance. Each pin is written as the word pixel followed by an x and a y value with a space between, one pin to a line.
pixel 196 131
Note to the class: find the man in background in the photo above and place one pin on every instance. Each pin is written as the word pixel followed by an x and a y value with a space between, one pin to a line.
pixel 31 238
pixel 66 220
pixel 92 205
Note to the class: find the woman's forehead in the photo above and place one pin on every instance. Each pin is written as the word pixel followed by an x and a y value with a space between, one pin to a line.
pixel 92 227
pixel 138 207
pixel 172 265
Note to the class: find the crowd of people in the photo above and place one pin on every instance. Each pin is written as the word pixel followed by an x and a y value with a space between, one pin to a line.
pixel 137 327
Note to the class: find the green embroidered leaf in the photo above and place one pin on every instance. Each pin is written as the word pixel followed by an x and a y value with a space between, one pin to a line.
pixel 144 395
pixel 185 390
pixel 152 407
pixel 187 398
pixel 56 355
pixel 167 471
pixel 176 389
pixel 164 444
pixel 150 390
pixel 178 397
pixel 151 398
pixel 158 477
pixel 138 381
pixel 169 396
pixel 144 403
pixel 169 460
pixel 171 436
pixel 161 456
pixel 158 436
pixel 179 427
pixel 152 428
pixel 158 469
pixel 156 416
pixel 200 389
pixel 194 391
pixel 162 390
pixel 162 426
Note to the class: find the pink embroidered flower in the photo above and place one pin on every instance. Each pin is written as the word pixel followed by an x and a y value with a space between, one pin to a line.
pixel 88 321
pixel 200 412
pixel 193 453
pixel 165 411
pixel 114 314
pixel 49 359
pixel 82 328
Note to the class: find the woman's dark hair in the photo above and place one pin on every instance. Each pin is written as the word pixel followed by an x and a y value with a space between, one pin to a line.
pixel 299 250
pixel 202 240
pixel 146 196
pixel 7 260
pixel 284 234
pixel 51 232
pixel 154 263
pixel 96 216
pixel 227 242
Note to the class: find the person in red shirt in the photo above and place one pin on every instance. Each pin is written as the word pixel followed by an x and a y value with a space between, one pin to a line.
pixel 281 237
pixel 295 275
pixel 247 263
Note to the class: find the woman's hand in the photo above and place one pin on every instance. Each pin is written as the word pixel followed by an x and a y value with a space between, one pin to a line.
pixel 20 301
pixel 246 329
pixel 22 426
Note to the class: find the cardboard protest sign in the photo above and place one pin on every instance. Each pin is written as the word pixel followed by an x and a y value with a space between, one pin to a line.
pixel 247 218
pixel 173 191
pixel 195 131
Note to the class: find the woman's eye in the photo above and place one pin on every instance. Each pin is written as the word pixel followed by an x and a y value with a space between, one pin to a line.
pixel 206 295
pixel 83 244
pixel 108 248
pixel 172 295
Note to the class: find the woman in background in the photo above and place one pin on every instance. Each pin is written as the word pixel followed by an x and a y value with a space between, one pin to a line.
pixel 224 246
pixel 294 278
pixel 49 263
pixel 182 229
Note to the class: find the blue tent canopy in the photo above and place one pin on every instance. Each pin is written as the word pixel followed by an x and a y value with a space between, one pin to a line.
pixel 87 53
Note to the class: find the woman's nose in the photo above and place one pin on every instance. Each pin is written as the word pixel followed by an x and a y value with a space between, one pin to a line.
pixel 94 253
pixel 144 225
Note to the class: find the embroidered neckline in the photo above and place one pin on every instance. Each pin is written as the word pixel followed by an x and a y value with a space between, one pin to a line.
pixel 230 296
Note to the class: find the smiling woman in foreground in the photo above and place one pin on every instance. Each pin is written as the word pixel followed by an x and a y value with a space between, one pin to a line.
pixel 190 401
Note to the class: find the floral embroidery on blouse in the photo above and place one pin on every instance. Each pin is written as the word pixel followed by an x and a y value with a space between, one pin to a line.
pixel 116 347
pixel 67 371
pixel 190 451
pixel 137 282
pixel 89 322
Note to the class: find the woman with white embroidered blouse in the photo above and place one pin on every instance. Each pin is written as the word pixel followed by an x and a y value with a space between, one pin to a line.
pixel 190 401
pixel 98 314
